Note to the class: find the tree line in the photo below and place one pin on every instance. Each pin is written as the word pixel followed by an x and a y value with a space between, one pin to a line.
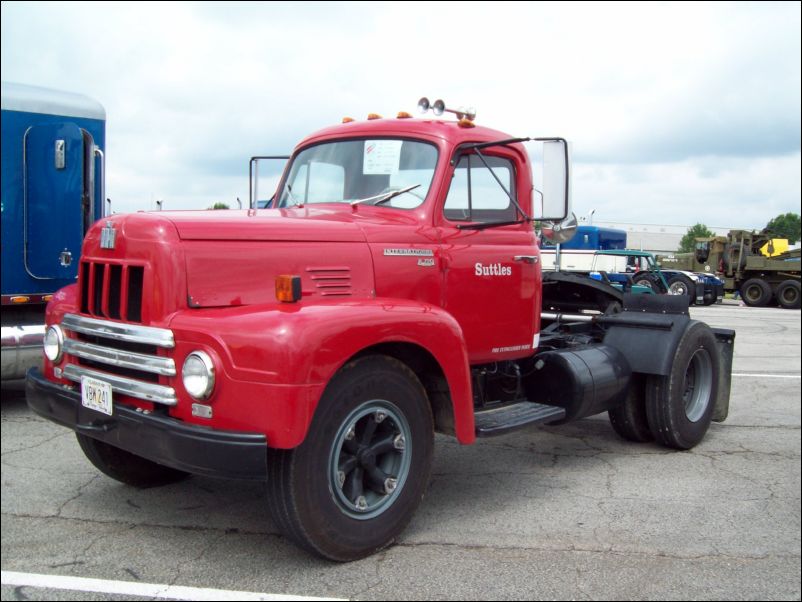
pixel 785 225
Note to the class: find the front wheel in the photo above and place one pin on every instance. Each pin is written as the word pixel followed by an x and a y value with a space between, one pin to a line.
pixel 681 285
pixel 679 405
pixel 354 483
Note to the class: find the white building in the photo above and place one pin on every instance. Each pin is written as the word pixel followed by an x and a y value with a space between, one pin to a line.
pixel 656 238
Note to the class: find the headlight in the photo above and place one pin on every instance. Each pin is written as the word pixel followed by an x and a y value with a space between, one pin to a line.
pixel 54 343
pixel 198 375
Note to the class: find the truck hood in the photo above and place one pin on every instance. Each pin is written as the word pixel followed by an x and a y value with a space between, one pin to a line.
pixel 310 225
pixel 233 257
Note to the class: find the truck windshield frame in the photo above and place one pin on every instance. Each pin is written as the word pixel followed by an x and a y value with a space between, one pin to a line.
pixel 349 170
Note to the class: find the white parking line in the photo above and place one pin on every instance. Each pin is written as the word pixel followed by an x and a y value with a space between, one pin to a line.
pixel 128 588
pixel 767 375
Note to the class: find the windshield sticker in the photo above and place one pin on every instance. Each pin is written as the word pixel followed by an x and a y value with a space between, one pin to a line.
pixel 382 157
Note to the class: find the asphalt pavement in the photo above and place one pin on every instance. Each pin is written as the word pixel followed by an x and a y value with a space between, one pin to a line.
pixel 568 512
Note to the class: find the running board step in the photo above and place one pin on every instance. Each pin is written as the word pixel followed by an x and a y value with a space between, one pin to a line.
pixel 500 421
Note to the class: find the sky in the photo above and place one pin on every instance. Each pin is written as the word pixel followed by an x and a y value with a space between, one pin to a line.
pixel 678 113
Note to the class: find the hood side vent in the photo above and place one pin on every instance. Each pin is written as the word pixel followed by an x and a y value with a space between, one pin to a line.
pixel 331 281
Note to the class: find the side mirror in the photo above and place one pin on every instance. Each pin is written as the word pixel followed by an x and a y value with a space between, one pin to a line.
pixel 555 196
pixel 559 232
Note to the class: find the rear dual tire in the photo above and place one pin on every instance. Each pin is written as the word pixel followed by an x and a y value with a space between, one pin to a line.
pixel 676 409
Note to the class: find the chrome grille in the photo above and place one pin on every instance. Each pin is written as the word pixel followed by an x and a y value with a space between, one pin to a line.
pixel 124 355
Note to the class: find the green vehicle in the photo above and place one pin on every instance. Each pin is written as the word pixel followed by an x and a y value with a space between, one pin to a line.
pixel 737 260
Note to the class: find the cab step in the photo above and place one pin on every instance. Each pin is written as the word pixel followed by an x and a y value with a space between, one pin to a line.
pixel 508 418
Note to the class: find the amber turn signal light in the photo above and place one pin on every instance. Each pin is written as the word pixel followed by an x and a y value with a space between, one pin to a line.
pixel 288 288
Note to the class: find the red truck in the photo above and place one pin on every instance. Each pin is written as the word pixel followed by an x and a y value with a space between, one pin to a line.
pixel 393 290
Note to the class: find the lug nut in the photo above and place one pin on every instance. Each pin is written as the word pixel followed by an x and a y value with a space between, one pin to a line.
pixel 361 503
pixel 399 442
pixel 390 484
pixel 341 477
pixel 380 416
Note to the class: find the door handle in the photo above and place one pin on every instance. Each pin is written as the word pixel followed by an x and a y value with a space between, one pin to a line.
pixel 526 258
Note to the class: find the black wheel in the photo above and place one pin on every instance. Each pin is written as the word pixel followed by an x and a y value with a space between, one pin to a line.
pixel 679 406
pixel 354 483
pixel 127 467
pixel 644 279
pixel 709 299
pixel 682 285
pixel 629 419
pixel 788 294
pixel 756 292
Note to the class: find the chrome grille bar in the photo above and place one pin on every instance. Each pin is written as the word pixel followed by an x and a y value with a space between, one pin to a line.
pixel 122 359
pixel 129 333
pixel 125 386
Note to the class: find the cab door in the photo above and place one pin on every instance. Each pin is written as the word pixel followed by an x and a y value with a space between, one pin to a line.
pixel 490 274
pixel 58 198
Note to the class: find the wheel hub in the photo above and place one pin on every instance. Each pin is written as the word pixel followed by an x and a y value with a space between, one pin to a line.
pixel 369 460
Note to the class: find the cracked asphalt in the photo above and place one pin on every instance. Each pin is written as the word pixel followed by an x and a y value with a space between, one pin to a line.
pixel 567 512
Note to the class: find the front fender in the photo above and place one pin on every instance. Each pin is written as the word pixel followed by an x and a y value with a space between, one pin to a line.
pixel 304 345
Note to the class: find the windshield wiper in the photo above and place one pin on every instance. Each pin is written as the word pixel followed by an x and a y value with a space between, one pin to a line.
pixel 385 196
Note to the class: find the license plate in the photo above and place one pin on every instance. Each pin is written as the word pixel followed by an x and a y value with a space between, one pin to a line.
pixel 96 395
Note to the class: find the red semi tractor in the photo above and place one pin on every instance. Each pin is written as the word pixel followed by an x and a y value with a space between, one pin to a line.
pixel 394 290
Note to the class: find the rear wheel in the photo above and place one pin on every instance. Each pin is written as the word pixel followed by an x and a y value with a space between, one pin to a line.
pixel 629 419
pixel 126 467
pixel 788 294
pixel 648 280
pixel 679 406
pixel 756 292
pixel 354 483
pixel 681 285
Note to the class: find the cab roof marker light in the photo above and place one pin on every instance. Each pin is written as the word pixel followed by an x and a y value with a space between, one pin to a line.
pixel 372 116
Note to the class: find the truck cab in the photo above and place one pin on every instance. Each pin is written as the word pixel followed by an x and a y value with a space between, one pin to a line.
pixel 394 289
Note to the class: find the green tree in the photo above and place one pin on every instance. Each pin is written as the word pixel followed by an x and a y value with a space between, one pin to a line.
pixel 688 243
pixel 786 225
pixel 219 206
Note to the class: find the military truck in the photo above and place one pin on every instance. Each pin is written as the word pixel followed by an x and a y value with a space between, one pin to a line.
pixel 737 259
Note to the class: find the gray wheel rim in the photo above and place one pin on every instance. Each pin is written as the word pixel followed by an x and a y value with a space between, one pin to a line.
pixel 698 385
pixel 678 288
pixel 370 459
pixel 645 282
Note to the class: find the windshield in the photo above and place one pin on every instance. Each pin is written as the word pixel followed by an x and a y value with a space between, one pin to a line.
pixel 364 171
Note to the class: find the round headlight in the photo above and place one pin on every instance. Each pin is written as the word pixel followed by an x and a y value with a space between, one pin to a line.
pixel 54 343
pixel 198 375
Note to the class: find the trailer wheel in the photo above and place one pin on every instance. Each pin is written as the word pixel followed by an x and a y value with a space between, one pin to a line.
pixel 681 285
pixel 629 419
pixel 126 467
pixel 354 483
pixel 756 292
pixel 679 406
pixel 788 294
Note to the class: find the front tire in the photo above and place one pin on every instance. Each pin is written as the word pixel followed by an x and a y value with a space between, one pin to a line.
pixel 354 483
pixel 126 467
pixel 679 406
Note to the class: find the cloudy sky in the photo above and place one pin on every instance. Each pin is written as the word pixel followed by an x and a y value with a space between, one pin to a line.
pixel 678 113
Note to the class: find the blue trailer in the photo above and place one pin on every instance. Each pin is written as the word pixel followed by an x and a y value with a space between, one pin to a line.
pixel 53 173
pixel 594 237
